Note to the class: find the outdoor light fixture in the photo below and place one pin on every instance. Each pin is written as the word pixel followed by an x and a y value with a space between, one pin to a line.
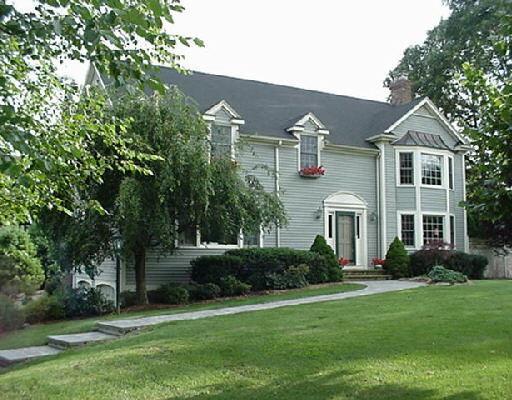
pixel 373 216
pixel 117 241
pixel 318 212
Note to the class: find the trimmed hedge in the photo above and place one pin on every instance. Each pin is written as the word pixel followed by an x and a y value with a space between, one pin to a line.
pixel 471 265
pixel 261 267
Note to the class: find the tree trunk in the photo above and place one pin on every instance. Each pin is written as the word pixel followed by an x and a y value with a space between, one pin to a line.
pixel 140 276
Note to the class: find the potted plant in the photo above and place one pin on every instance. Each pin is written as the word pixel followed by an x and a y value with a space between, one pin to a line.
pixel 312 172
pixel 378 263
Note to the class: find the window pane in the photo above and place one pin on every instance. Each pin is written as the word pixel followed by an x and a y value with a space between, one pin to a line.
pixel 187 236
pixel 450 172
pixel 221 141
pixel 251 239
pixel 452 230
pixel 433 228
pixel 431 169
pixel 308 151
pixel 408 230
pixel 406 169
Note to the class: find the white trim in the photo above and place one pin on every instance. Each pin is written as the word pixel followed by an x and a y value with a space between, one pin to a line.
pixel 383 211
pixel 277 183
pixel 92 72
pixel 344 149
pixel 466 236
pixel 427 102
pixel 224 105
pixel 349 202
pixel 418 225
pixel 299 125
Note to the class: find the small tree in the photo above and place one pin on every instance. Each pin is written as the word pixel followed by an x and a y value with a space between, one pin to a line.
pixel 397 260
pixel 321 247
pixel 20 270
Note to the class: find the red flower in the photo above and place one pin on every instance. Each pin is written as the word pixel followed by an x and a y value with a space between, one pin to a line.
pixel 309 171
pixel 378 261
pixel 343 261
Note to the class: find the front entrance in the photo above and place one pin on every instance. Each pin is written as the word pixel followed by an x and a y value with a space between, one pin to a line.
pixel 346 236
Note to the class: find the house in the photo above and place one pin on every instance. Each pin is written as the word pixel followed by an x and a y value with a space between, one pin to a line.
pixel 391 169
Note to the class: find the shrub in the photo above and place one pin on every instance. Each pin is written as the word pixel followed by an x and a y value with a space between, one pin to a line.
pixel 85 302
pixel 334 272
pixel 230 286
pixel 211 269
pixel 172 293
pixel 397 260
pixel 205 291
pixel 471 265
pixel 20 270
pixel 46 308
pixel 129 298
pixel 292 278
pixel 441 274
pixel 11 317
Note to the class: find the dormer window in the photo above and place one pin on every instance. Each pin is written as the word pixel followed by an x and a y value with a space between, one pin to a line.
pixel 224 123
pixel 308 151
pixel 311 133
pixel 221 140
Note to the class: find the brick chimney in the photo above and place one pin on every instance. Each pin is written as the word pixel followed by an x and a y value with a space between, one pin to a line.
pixel 401 91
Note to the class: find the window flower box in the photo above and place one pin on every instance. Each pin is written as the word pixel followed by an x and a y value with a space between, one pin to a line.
pixel 312 172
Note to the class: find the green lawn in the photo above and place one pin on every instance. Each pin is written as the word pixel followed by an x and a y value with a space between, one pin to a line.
pixel 37 334
pixel 429 343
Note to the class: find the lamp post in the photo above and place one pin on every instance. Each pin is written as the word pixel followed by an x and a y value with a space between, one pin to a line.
pixel 117 241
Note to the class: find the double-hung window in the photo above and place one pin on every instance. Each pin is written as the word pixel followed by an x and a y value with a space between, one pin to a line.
pixel 308 151
pixel 407 229
pixel 221 141
pixel 433 228
pixel 406 168
pixel 431 169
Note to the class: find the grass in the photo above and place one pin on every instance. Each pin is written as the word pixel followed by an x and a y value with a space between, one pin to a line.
pixel 430 343
pixel 37 334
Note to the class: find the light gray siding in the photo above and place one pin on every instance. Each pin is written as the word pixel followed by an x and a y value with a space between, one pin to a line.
pixel 433 199
pixel 456 197
pixel 302 197
pixel 421 122
pixel 405 198
pixel 164 268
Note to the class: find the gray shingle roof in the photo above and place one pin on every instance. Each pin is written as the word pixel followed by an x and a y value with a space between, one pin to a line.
pixel 414 138
pixel 270 109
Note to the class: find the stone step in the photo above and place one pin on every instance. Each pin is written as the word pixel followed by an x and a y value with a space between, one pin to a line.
pixel 366 277
pixel 364 272
pixel 79 339
pixel 122 327
pixel 8 357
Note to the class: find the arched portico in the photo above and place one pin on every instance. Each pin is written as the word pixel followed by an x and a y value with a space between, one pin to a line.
pixel 345 227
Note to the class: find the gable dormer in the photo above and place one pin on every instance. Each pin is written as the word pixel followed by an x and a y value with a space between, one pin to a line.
pixel 310 132
pixel 224 125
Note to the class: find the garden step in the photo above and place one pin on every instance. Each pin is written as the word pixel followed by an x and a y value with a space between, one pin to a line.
pixel 79 339
pixel 372 277
pixel 8 357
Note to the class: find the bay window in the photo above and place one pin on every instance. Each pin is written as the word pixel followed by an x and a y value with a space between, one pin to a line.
pixel 431 170
pixel 433 228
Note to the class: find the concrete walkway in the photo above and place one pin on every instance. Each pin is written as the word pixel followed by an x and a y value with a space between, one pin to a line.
pixel 109 330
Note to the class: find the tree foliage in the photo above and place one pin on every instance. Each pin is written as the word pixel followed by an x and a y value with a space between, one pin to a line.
pixel 20 270
pixel 48 128
pixel 490 179
pixel 465 67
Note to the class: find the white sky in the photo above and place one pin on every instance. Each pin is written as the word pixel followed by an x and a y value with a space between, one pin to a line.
pixel 338 46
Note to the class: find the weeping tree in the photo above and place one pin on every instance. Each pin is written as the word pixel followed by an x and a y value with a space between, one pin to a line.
pixel 186 190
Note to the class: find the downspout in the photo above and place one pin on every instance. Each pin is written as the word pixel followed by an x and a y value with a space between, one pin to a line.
pixel 277 188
